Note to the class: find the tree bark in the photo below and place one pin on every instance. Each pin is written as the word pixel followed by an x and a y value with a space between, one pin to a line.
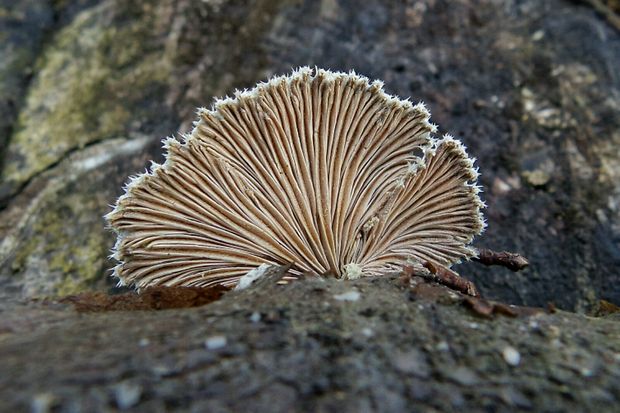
pixel 386 344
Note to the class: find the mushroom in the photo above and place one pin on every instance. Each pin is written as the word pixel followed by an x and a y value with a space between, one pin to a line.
pixel 320 169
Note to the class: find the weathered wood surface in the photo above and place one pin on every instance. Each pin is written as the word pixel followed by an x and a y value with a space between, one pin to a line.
pixel 312 345
pixel 89 87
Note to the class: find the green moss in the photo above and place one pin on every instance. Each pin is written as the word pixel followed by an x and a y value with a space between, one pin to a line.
pixel 74 251
pixel 102 76
pixel 82 267
pixel 90 84
pixel 23 252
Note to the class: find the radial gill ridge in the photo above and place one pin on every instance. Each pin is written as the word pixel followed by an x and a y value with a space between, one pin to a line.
pixel 318 169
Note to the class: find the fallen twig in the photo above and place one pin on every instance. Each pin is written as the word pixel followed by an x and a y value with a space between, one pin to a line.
pixel 469 294
pixel 451 279
pixel 487 308
pixel 510 260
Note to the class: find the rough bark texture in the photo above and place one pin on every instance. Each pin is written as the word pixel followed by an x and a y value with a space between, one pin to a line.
pixel 88 88
pixel 313 345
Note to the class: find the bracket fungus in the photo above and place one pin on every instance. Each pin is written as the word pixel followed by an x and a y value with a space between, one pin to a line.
pixel 319 169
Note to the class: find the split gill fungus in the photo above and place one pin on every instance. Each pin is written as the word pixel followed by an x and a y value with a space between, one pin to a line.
pixel 320 169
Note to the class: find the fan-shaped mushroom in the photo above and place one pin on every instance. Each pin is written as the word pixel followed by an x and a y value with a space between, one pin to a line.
pixel 320 169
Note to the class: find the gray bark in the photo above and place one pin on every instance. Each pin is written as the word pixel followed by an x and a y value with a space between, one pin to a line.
pixel 312 345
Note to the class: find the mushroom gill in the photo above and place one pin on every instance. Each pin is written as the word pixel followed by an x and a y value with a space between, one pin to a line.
pixel 319 169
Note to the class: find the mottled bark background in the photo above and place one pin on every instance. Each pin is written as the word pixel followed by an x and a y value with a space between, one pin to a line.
pixel 88 88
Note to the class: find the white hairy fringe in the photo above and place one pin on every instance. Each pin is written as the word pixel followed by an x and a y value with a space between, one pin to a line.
pixel 418 164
